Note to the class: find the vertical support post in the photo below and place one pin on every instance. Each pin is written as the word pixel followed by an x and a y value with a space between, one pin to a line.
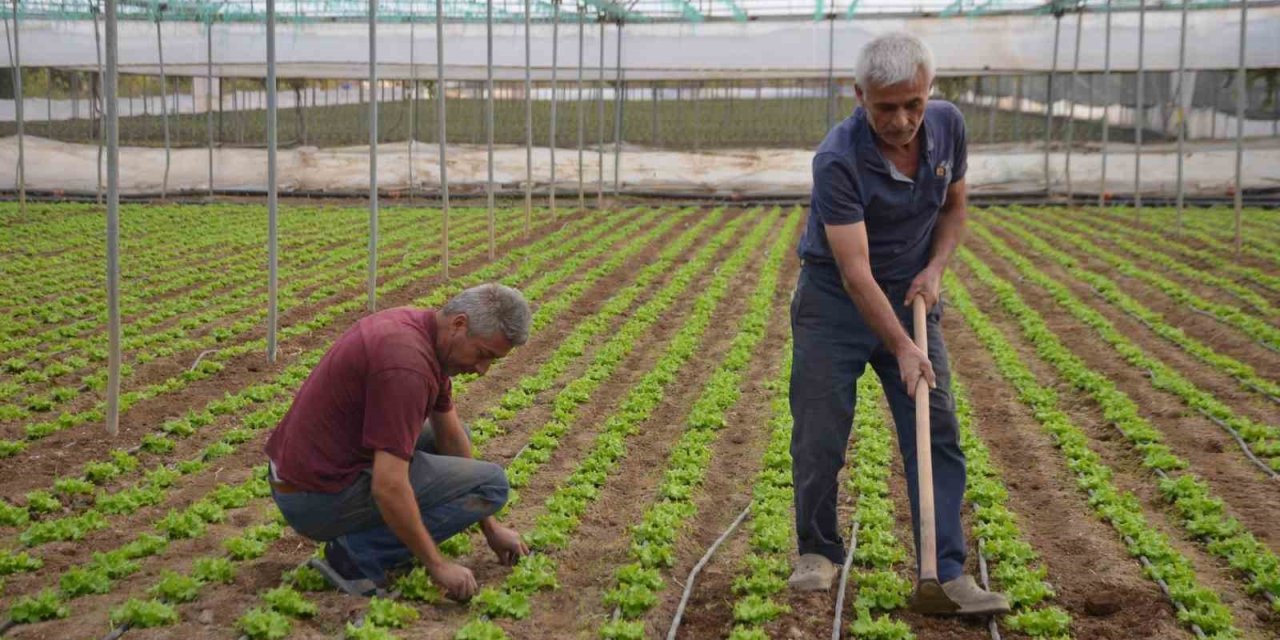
pixel 831 62
pixel 1017 108
pixel 991 113
pixel 373 156
pixel 653 116
pixel 102 83
pixel 48 102
pixel 528 122
pixel 113 225
pixel 1071 102
pixel 1139 113
pixel 600 126
pixel 1048 105
pixel 441 123
pixel 1182 113
pixel 208 97
pixel 273 238
pixel 413 99
pixel 1242 92
pixel 488 122
pixel 18 100
pixel 581 107
pixel 1106 110
pixel 555 64
pixel 164 110
pixel 619 101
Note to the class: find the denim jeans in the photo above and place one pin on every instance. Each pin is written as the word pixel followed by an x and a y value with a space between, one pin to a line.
pixel 832 346
pixel 453 493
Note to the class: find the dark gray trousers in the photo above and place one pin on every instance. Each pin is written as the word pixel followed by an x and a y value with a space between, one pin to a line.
pixel 832 346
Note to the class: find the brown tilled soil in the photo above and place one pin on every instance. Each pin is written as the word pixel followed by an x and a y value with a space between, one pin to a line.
pixel 67 450
pixel 1213 453
pixel 1250 613
pixel 227 603
pixel 1103 589
pixel 233 468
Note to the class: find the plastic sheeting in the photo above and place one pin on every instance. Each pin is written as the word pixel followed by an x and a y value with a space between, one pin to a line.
pixel 791 49
pixel 71 169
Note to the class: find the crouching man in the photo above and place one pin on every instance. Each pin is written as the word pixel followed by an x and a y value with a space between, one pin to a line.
pixel 371 458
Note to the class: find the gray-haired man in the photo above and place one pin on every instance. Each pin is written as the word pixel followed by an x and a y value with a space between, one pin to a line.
pixel 371 457
pixel 887 211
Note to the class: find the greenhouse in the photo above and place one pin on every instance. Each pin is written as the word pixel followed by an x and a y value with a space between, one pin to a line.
pixel 266 260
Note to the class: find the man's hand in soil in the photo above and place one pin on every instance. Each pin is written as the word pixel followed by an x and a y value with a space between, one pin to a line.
pixel 506 542
pixel 456 580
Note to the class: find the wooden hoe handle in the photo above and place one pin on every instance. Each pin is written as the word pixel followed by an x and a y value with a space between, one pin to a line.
pixel 924 456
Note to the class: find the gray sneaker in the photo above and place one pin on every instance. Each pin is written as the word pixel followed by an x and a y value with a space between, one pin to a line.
pixel 974 600
pixel 813 572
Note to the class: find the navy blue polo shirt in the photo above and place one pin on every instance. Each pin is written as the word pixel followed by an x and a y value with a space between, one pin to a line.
pixel 853 182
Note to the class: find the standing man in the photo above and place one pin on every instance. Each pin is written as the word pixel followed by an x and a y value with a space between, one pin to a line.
pixel 353 465
pixel 887 212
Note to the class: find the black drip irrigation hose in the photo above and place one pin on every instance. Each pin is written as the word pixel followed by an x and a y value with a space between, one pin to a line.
pixel 1146 324
pixel 992 627
pixel 844 580
pixel 697 568
pixel 118 631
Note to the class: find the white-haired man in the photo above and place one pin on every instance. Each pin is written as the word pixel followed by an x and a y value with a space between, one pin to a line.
pixel 887 212
pixel 371 457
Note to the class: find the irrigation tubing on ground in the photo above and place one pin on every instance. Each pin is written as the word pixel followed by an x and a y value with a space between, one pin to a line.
pixel 697 568
pixel 844 580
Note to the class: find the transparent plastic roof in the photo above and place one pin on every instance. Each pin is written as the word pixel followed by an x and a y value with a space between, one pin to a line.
pixel 688 11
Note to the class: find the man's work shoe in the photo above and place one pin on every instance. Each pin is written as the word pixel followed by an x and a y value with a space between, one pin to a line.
pixel 339 568
pixel 813 572
pixel 972 599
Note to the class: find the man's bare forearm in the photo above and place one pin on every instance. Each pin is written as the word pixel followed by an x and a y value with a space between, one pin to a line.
pixel 875 307
pixel 399 509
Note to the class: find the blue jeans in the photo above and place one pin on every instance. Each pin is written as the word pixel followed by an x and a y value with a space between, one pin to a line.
pixel 832 346
pixel 453 494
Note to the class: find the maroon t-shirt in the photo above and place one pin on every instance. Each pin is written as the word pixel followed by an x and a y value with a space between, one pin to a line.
pixel 372 391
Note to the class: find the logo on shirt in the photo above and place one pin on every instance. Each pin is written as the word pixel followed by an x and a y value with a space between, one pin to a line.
pixel 943 169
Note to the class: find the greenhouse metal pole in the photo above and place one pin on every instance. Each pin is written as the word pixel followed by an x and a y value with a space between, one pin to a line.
pixel 164 111
pixel 18 99
pixel 1106 110
pixel 1048 104
pixel 991 115
pixel 373 156
pixel 273 237
pixel 208 98
pixel 831 62
pixel 528 122
pixel 443 140
pixel 1240 95
pixel 1017 108
pixel 1182 113
pixel 488 119
pixel 582 114
pixel 97 50
pixel 1071 102
pixel 413 99
pixel 113 226
pixel 1139 116
pixel 600 126
pixel 619 100
pixel 555 63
